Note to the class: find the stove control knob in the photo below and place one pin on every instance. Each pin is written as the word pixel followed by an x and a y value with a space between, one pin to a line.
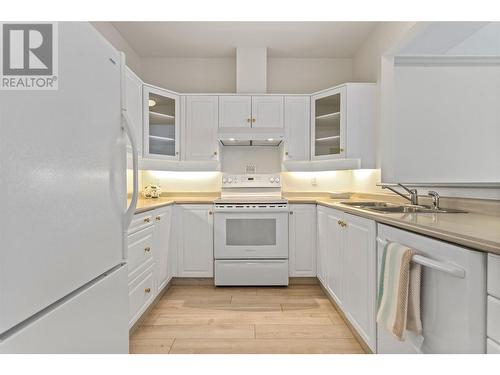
pixel 277 180
pixel 229 179
pixel 224 180
pixel 271 179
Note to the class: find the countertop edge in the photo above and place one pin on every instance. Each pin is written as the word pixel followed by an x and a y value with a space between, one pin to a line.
pixel 461 240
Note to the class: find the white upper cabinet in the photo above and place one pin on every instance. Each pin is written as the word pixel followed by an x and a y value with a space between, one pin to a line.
pixel 200 128
pixel 328 118
pixel 161 124
pixel 343 124
pixel 302 240
pixel 235 111
pixel 297 114
pixel 133 106
pixel 267 111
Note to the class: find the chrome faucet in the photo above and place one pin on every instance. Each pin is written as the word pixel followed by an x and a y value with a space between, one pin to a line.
pixel 412 193
pixel 435 199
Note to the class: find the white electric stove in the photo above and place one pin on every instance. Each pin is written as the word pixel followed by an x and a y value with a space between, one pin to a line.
pixel 251 231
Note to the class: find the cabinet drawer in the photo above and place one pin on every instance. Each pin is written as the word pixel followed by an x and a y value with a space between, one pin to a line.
pixel 250 272
pixel 140 295
pixel 141 221
pixel 492 347
pixel 494 275
pixel 493 325
pixel 140 248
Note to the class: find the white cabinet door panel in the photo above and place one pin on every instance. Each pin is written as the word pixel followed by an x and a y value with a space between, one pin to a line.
pixel 196 255
pixel 297 119
pixel 200 128
pixel 267 111
pixel 161 244
pixel 235 111
pixel 133 105
pixel 334 261
pixel 302 240
pixel 359 281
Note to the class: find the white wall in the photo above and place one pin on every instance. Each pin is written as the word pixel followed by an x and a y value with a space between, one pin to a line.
pixel 114 37
pixel 303 76
pixel 366 61
pixel 218 75
pixel 191 75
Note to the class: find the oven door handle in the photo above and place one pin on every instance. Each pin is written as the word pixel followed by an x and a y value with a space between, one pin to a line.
pixel 250 210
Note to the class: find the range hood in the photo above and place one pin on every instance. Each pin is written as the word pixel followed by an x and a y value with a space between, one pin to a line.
pixel 250 136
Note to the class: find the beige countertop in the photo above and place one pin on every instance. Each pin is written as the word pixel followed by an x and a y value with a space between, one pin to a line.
pixel 474 230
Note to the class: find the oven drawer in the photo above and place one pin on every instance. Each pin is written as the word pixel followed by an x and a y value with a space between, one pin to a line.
pixel 251 272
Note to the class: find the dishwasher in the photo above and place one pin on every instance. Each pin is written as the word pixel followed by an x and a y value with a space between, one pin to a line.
pixel 453 296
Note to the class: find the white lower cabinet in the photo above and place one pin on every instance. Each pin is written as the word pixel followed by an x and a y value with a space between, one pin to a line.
pixel 195 240
pixel 148 253
pixel 302 240
pixel 161 245
pixel 347 267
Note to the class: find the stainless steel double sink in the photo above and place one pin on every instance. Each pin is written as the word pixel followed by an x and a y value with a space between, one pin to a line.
pixel 392 208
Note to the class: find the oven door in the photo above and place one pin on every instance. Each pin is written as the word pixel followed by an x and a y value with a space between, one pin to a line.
pixel 251 234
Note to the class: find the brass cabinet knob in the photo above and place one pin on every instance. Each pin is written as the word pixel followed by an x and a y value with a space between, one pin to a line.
pixel 253 120
pixel 339 222
pixel 249 120
pixel 341 150
pixel 286 153
pixel 177 152
pixel 215 152
pixel 147 249
pixel 210 212
pixel 147 220
pixel 147 290
pixel 158 218
pixel 291 212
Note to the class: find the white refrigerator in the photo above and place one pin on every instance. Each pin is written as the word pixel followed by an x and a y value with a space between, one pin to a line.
pixel 63 278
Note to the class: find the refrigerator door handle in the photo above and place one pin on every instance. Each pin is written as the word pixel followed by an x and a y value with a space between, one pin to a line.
pixel 127 217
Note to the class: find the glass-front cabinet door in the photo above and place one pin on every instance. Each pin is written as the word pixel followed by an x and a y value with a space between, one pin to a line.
pixel 161 124
pixel 328 124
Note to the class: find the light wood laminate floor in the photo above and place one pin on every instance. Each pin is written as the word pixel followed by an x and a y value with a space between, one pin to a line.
pixel 206 319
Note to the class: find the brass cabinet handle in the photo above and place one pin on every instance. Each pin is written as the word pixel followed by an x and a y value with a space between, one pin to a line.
pixel 158 218
pixel 291 212
pixel 147 290
pixel 147 220
pixel 339 222
pixel 253 120
pixel 249 120
pixel 147 249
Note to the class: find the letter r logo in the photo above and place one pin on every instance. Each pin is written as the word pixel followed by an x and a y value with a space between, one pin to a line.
pixel 27 49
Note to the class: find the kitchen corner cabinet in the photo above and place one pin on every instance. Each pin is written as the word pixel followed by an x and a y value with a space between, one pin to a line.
pixel 195 241
pixel 343 123
pixel 302 240
pixel 297 112
pixel 161 245
pixel 133 107
pixel 161 123
pixel 241 111
pixel 347 249
pixel 201 119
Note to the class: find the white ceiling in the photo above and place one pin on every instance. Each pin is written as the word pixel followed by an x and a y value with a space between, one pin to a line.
pixel 220 39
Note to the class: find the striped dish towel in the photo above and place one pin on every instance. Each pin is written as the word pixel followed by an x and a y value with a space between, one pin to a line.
pixel 399 291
